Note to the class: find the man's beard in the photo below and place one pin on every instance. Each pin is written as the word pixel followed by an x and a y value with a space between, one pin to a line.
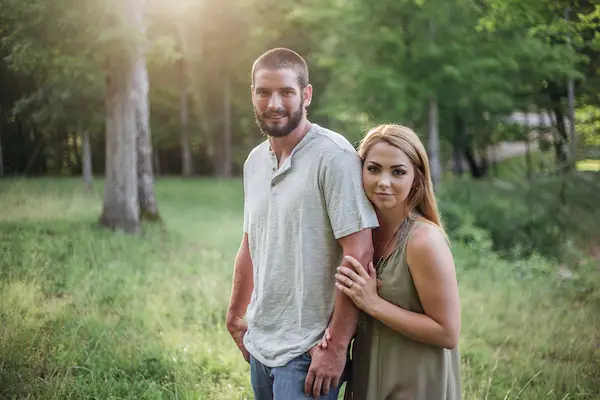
pixel 279 130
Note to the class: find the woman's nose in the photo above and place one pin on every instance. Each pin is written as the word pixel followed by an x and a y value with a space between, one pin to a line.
pixel 383 182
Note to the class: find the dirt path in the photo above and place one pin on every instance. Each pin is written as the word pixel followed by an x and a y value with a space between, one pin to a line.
pixel 506 150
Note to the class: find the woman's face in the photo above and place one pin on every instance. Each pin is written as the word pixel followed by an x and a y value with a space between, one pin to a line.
pixel 388 176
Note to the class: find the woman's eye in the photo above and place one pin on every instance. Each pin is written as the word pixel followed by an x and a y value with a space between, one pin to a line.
pixel 372 169
pixel 398 172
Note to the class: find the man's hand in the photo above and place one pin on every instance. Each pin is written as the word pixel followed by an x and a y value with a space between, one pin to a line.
pixel 237 327
pixel 325 370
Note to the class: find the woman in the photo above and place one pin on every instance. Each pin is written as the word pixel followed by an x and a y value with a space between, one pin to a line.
pixel 405 347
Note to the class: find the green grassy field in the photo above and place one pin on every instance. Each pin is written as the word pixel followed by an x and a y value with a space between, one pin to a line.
pixel 88 314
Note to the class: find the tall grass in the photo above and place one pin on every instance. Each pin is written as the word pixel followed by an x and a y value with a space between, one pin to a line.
pixel 89 314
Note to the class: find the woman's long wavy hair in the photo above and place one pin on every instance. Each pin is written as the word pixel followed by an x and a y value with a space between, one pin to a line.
pixel 421 199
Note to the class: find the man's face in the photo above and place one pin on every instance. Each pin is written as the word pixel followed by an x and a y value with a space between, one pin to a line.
pixel 279 103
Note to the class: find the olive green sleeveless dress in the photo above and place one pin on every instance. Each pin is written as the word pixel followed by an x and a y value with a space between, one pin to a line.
pixel 387 365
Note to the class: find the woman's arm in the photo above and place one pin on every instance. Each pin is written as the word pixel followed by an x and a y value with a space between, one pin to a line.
pixel 432 268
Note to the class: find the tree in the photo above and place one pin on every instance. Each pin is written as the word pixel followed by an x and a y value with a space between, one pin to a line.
pixel 569 30
pixel 63 45
pixel 369 63
pixel 140 88
pixel 121 208
pixel 129 188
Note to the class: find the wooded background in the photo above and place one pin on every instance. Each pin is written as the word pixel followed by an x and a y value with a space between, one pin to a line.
pixel 132 89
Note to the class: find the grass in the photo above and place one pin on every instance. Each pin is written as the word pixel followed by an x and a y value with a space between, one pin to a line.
pixel 588 165
pixel 88 314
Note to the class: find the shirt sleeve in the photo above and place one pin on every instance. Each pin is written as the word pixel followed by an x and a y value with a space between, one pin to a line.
pixel 348 207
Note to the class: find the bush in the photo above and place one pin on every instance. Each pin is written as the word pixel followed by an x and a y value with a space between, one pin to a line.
pixel 461 227
pixel 524 219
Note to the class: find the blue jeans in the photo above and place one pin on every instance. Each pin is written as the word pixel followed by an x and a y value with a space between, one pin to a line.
pixel 284 383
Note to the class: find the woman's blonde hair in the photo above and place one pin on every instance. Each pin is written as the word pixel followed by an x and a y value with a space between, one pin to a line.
pixel 421 199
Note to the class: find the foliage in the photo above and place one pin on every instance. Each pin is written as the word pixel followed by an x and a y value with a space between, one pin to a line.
pixel 588 127
pixel 64 57
pixel 482 60
pixel 389 60
pixel 523 219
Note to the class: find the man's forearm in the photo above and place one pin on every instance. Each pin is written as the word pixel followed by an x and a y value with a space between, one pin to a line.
pixel 345 314
pixel 242 286
pixel 343 322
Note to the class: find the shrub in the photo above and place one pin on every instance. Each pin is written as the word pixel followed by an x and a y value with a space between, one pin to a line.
pixel 546 217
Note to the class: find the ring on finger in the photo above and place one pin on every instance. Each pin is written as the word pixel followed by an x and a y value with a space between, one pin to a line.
pixel 350 284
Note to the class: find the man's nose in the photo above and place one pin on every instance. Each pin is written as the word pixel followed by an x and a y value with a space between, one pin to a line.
pixel 275 102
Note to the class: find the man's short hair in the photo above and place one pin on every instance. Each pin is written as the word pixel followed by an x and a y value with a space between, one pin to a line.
pixel 282 58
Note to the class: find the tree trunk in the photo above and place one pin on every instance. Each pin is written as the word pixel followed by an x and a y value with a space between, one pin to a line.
pixel 87 158
pixel 478 170
pixel 572 135
pixel 571 100
pixel 194 79
pixel 74 156
pixel 434 143
pixel 457 149
pixel 156 163
pixel 187 167
pixel 528 161
pixel 434 139
pixel 226 166
pixel 560 134
pixel 146 197
pixel 560 141
pixel 121 210
pixel 1 159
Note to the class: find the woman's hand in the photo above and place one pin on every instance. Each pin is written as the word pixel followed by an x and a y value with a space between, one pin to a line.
pixel 361 286
pixel 326 338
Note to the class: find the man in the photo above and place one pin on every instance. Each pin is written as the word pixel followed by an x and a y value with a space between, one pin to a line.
pixel 304 208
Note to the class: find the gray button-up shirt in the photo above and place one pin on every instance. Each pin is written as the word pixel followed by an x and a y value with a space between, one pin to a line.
pixel 293 216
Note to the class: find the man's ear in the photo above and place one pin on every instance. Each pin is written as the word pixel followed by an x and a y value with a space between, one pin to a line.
pixel 307 95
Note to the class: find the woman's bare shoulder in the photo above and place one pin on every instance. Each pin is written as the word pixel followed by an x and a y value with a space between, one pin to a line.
pixel 425 238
